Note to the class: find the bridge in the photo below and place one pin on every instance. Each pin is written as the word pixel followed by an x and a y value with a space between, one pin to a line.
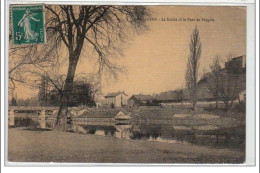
pixel 41 109
pixel 32 108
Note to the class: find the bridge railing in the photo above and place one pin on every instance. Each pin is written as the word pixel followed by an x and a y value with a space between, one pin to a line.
pixel 32 108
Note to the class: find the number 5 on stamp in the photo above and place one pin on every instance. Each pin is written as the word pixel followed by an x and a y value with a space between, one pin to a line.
pixel 28 24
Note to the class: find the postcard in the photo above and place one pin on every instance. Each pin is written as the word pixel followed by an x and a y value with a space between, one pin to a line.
pixel 127 84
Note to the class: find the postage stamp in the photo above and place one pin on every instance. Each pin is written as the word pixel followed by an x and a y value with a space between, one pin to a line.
pixel 28 24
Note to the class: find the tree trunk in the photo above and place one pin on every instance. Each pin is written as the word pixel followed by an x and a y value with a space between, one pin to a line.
pixel 216 103
pixel 194 105
pixel 194 109
pixel 61 121
pixel 227 106
pixel 194 100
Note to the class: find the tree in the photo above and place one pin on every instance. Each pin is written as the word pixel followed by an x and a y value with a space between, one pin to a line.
pixel 50 88
pixel 82 94
pixel 13 102
pixel 179 94
pixel 101 27
pixel 33 101
pixel 193 66
pixel 23 59
pixel 213 78
pixel 231 83
pixel 43 91
pixel 148 103
pixel 84 91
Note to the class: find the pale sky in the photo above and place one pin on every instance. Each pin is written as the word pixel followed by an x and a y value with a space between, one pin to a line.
pixel 156 60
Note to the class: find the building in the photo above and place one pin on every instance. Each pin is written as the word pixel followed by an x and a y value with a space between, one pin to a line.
pixel 102 114
pixel 118 99
pixel 236 63
pixel 140 100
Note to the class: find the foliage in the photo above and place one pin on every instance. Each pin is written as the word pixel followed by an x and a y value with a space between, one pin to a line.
pixel 83 93
pixel 33 101
pixel 13 102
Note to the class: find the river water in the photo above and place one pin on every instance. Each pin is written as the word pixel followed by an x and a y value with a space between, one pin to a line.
pixel 203 135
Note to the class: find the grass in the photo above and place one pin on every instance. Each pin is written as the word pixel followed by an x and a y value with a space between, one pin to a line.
pixel 54 146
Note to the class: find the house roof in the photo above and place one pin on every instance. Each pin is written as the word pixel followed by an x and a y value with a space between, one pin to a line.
pixel 114 94
pixel 143 97
pixel 106 113
pixel 122 115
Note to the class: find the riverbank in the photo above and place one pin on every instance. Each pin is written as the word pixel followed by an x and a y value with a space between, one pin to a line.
pixel 36 145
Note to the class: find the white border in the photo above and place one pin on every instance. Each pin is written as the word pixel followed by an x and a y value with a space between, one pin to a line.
pixel 138 1
pixel 250 88
pixel 251 120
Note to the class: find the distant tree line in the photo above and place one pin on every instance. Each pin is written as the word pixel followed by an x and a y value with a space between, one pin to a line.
pixel 33 101
pixel 153 102
pixel 82 93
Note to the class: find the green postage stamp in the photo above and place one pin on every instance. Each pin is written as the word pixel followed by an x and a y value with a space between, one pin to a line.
pixel 28 24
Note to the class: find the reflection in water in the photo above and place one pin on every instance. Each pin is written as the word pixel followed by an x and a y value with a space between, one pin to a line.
pixel 42 123
pixel 159 139
pixel 11 121
pixel 167 133
pixel 181 128
pixel 78 129
pixel 206 127
pixel 25 122
pixel 123 131
pixel 100 132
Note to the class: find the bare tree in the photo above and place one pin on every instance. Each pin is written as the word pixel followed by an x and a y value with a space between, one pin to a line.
pixel 99 28
pixel 193 66
pixel 213 78
pixel 47 84
pixel 230 83
pixel 26 58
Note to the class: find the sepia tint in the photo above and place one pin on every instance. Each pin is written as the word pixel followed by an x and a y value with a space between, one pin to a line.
pixel 127 84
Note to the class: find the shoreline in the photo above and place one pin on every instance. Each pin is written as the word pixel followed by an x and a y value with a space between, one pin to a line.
pixel 54 146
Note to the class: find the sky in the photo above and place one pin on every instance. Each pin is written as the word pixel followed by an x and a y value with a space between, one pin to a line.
pixel 156 60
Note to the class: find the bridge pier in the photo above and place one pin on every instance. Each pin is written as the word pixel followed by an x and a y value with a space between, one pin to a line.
pixel 11 118
pixel 42 114
pixel 42 123
pixel 11 113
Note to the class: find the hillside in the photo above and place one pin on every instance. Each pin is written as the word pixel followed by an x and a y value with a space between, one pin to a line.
pixel 204 94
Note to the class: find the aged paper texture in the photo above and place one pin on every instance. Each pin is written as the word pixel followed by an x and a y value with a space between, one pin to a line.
pixel 127 84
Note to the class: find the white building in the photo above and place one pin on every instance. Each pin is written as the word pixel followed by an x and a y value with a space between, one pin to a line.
pixel 118 99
